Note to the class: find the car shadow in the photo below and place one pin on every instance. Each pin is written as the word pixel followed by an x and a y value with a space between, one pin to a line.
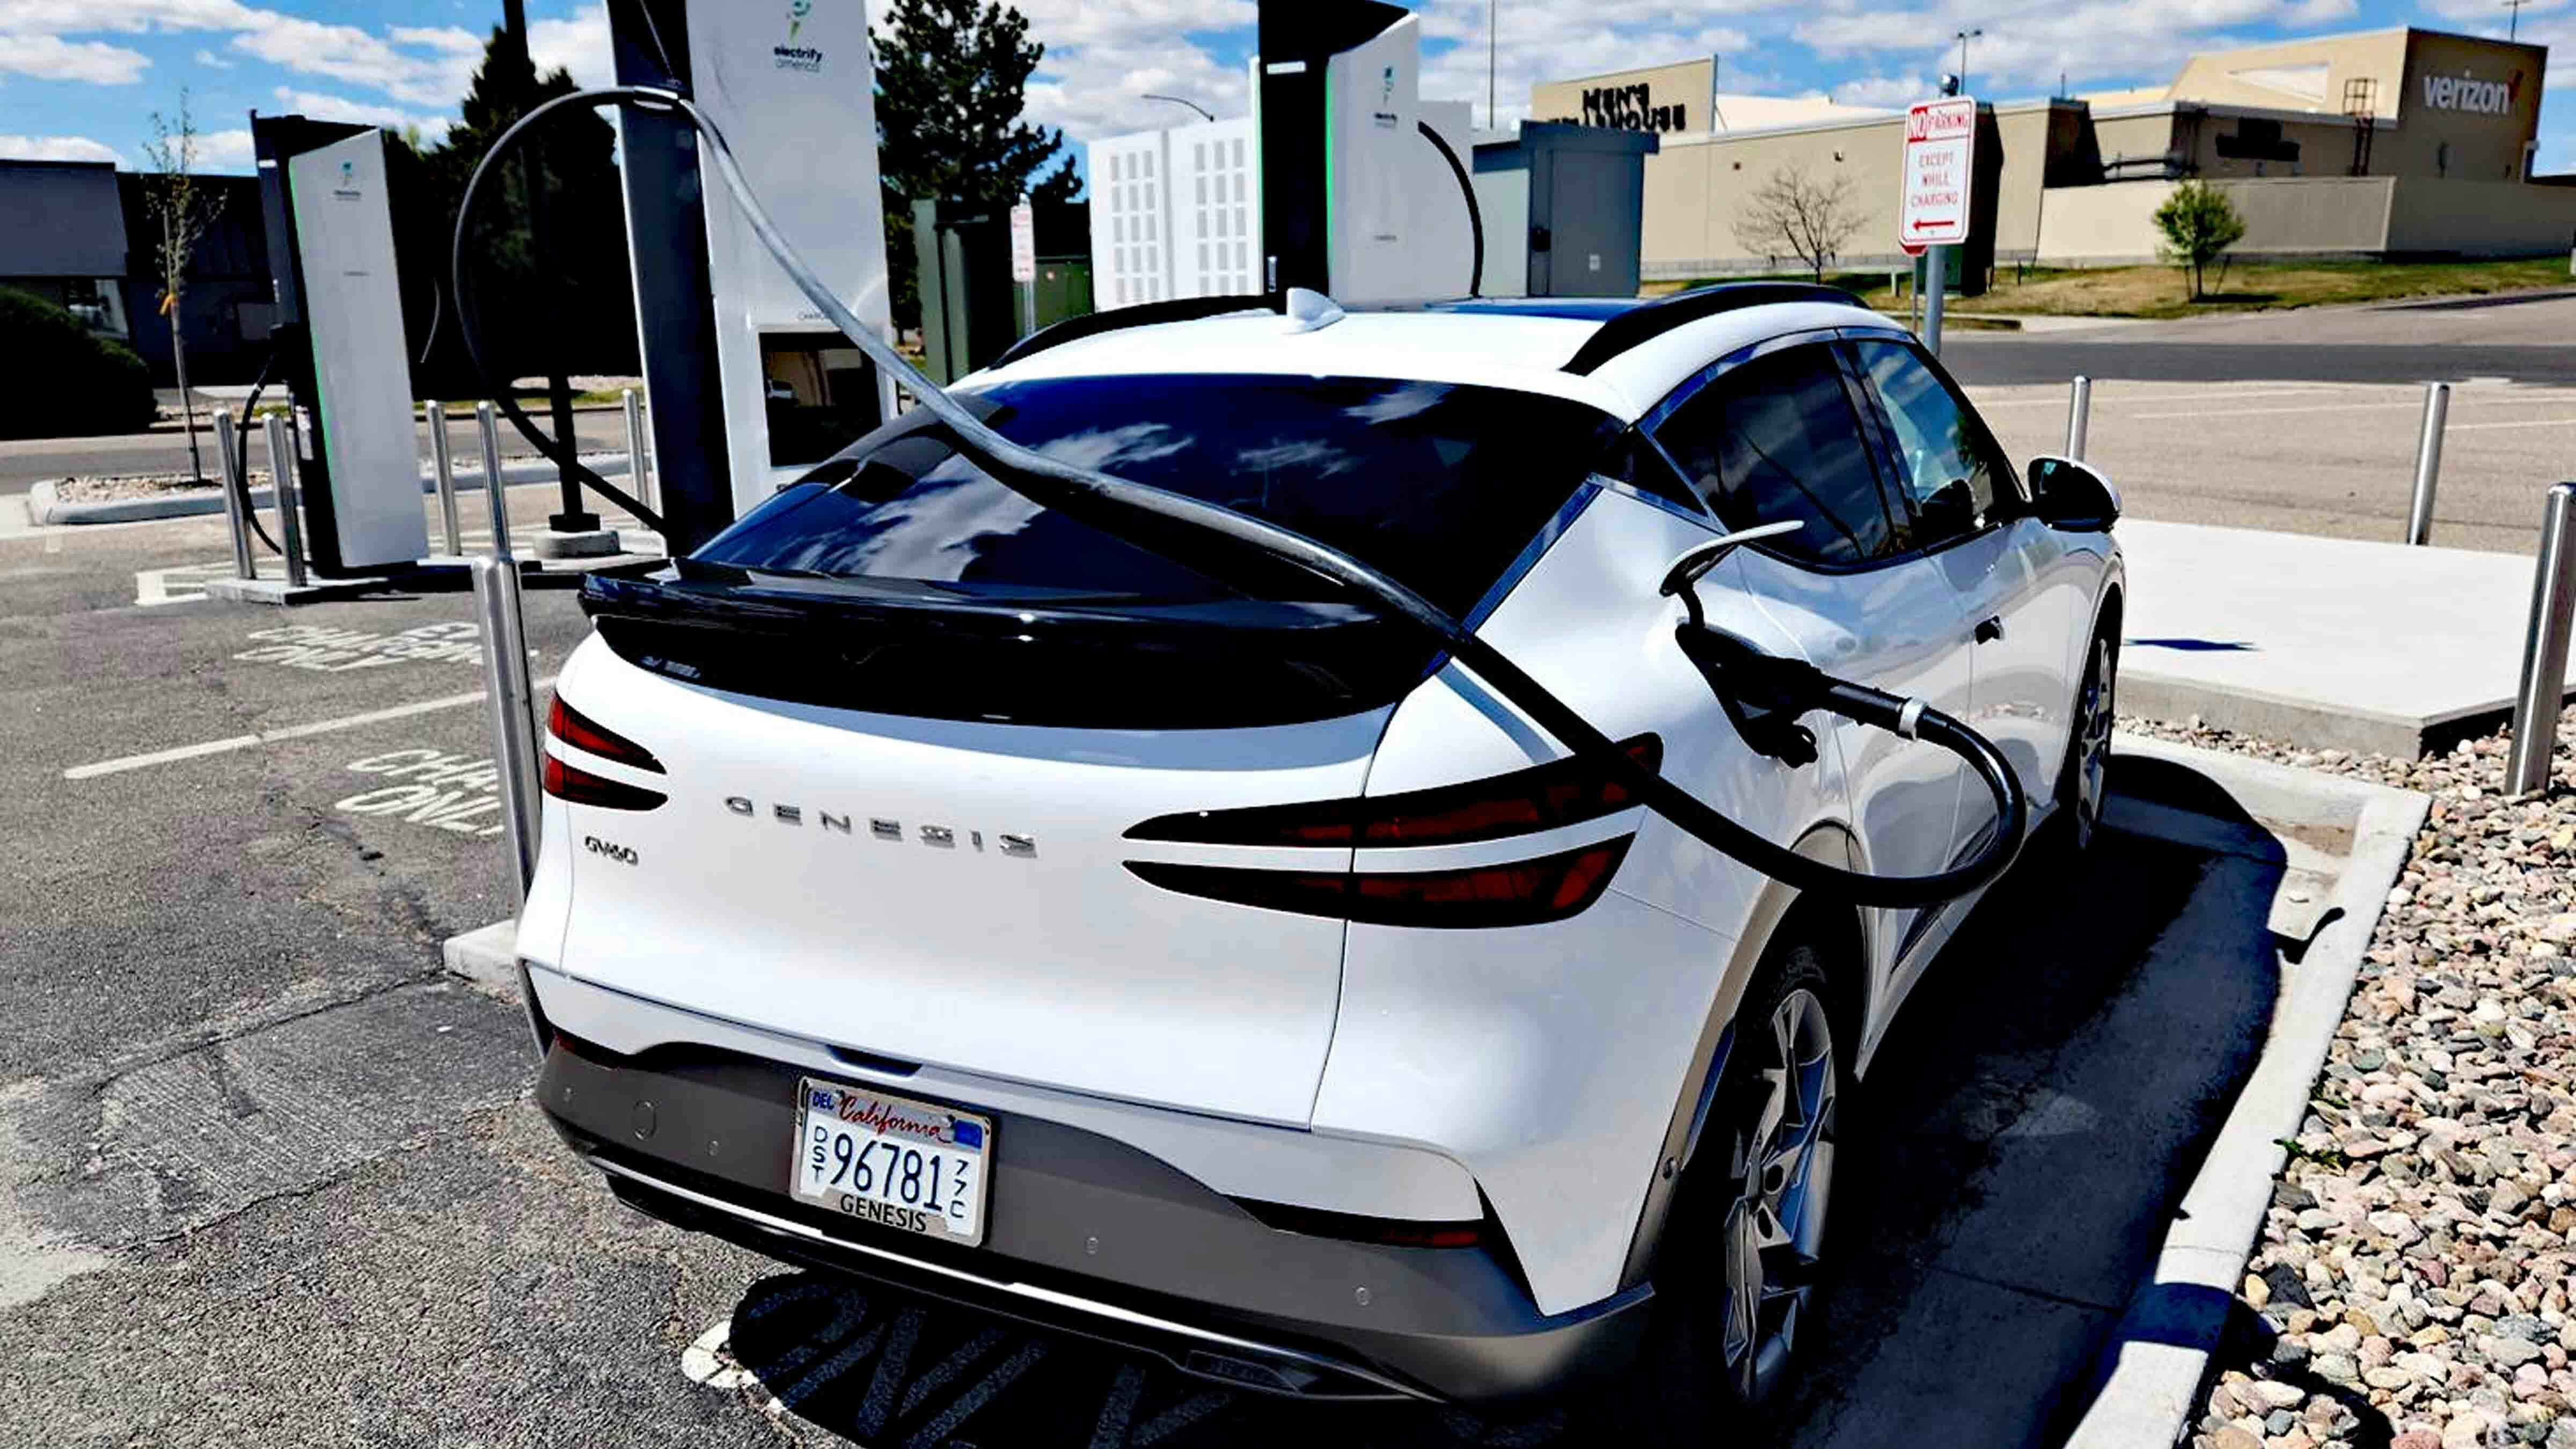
pixel 2006 1178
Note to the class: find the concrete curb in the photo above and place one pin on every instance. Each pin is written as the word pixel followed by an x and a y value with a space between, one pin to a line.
pixel 488 957
pixel 45 507
pixel 2160 1353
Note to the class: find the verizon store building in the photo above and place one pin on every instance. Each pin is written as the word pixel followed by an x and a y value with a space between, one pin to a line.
pixel 2384 143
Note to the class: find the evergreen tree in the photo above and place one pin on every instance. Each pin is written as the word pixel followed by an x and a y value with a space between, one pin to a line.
pixel 952 80
pixel 587 305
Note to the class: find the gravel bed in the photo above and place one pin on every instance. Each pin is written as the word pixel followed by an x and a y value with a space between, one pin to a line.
pixel 117 487
pixel 2412 1279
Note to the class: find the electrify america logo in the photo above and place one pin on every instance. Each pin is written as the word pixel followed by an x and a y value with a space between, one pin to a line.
pixel 792 56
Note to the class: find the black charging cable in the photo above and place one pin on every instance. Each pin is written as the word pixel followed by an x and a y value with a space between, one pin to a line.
pixel 240 481
pixel 468 325
pixel 1158 520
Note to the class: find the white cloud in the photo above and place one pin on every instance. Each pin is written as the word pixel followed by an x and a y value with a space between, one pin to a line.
pixel 340 108
pixel 433 75
pixel 578 45
pixel 50 57
pixel 224 150
pixel 1885 90
pixel 210 60
pixel 53 148
pixel 127 17
pixel 2028 43
pixel 1102 56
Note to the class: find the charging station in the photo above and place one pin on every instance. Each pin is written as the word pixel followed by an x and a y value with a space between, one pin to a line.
pixel 340 341
pixel 749 383
pixel 1358 200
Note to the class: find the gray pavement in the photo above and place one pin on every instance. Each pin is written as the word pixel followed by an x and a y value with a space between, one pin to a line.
pixel 25 461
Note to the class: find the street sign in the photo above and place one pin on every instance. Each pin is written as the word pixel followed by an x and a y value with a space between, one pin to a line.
pixel 1024 243
pixel 1940 166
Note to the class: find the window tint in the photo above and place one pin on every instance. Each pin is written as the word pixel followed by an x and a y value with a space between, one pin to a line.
pixel 1440 485
pixel 1945 463
pixel 1777 439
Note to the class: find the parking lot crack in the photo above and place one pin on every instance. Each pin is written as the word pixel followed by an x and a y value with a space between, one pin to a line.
pixel 2027 1291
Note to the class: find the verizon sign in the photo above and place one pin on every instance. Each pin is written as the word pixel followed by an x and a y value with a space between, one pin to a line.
pixel 2468 93
pixel 1940 162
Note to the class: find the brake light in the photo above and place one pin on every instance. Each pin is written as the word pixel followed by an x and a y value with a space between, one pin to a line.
pixel 1520 893
pixel 580 787
pixel 1563 792
pixel 589 736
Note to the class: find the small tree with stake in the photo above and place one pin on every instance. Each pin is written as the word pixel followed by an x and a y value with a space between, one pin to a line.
pixel 2198 223
pixel 184 210
pixel 1793 211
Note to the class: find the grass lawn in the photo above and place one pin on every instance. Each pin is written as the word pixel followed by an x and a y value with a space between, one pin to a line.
pixel 2255 286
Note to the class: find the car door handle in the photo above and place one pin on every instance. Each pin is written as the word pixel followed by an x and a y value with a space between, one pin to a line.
pixel 1990 628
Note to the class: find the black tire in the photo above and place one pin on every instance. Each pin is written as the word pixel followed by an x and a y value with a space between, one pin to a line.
pixel 1699 1371
pixel 2083 778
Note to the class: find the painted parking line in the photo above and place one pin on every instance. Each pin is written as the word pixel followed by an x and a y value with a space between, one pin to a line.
pixel 2523 423
pixel 230 743
pixel 2103 394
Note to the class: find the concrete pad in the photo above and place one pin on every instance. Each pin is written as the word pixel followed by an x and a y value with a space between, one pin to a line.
pixel 2331 643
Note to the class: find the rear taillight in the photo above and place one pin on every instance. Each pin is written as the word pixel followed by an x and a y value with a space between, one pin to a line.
pixel 1512 893
pixel 1521 893
pixel 581 787
pixel 589 736
pixel 571 782
pixel 1565 792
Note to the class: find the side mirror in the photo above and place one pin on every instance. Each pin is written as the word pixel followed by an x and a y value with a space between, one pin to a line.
pixel 2072 496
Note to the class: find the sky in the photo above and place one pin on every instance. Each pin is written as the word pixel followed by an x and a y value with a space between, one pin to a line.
pixel 80 79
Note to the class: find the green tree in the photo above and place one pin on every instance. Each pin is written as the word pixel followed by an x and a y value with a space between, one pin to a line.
pixel 952 80
pixel 2198 223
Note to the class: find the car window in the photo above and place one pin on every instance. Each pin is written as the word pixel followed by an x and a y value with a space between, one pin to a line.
pixel 1439 484
pixel 1945 463
pixel 1777 439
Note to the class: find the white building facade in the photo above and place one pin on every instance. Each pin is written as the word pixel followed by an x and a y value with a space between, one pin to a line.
pixel 1176 213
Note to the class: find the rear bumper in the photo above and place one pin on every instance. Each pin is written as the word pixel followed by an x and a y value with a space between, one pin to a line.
pixel 1091 1236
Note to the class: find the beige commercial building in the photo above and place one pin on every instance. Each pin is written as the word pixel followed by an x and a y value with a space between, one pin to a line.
pixel 2390 142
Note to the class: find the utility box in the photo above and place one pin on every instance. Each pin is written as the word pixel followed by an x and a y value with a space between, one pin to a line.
pixel 971 310
pixel 1576 196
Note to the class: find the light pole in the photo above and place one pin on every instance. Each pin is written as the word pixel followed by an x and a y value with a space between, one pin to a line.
pixel 1963 37
pixel 1203 111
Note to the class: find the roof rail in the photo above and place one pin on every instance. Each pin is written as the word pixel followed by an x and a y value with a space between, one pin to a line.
pixel 1650 320
pixel 1142 314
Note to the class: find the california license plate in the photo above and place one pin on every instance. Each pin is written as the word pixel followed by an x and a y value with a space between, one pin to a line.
pixel 891 1161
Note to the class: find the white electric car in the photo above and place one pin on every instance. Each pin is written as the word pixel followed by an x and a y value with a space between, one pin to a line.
pixel 938 888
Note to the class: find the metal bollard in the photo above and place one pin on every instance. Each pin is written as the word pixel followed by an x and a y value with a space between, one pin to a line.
pixel 2428 463
pixel 512 710
pixel 2079 415
pixel 442 471
pixel 638 471
pixel 2544 649
pixel 494 493
pixel 236 498
pixel 281 475
pixel 1936 292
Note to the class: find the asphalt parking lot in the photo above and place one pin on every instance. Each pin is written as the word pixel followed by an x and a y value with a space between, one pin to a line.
pixel 268 1175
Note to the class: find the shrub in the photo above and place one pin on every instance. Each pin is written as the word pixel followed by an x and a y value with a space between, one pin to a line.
pixel 59 379
pixel 2198 222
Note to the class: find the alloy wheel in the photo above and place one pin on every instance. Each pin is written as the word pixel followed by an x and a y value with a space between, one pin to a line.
pixel 2094 715
pixel 1774 1232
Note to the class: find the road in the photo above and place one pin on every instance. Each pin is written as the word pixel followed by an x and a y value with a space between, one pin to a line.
pixel 26 461
pixel 2525 337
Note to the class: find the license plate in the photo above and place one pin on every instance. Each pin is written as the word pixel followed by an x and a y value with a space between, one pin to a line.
pixel 891 1161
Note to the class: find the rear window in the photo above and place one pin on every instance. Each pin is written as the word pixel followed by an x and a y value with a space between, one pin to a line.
pixel 1439 484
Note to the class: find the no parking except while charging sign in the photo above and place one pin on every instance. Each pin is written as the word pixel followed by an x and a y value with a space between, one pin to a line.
pixel 1939 170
